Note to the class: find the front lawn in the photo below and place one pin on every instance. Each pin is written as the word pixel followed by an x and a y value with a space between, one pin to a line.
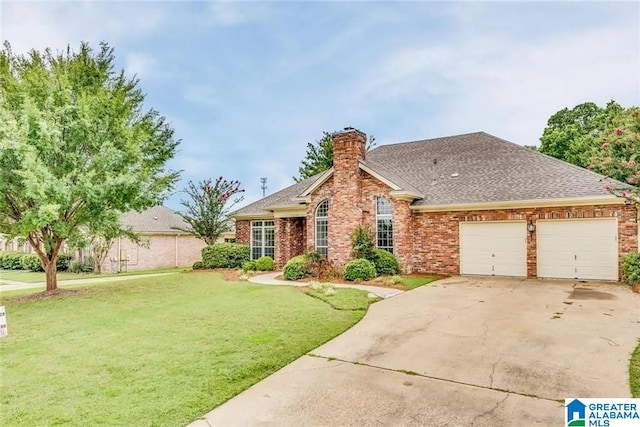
pixel 634 372
pixel 343 298
pixel 37 277
pixel 152 351
pixel 412 281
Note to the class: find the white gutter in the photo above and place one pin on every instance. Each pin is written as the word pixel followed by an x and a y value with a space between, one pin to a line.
pixel 516 204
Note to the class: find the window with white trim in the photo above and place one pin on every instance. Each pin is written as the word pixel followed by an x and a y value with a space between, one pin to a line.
pixel 263 239
pixel 322 228
pixel 384 224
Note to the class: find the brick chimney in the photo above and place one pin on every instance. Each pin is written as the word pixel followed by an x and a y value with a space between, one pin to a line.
pixel 345 213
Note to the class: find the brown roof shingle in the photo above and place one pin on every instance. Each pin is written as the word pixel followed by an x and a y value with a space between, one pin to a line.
pixel 469 168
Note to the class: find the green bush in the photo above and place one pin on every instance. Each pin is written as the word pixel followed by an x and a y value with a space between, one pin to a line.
pixel 631 269
pixel 265 263
pixel 10 260
pixel 362 243
pixel 225 255
pixel 249 266
pixel 63 262
pixel 31 262
pixel 386 264
pixel 361 268
pixel 198 265
pixel 296 268
pixel 81 265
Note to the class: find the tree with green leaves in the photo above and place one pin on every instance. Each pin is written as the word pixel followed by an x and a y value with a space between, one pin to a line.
pixel 618 156
pixel 319 157
pixel 77 147
pixel 573 135
pixel 207 211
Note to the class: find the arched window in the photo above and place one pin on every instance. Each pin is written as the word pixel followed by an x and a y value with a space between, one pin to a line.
pixel 322 213
pixel 384 224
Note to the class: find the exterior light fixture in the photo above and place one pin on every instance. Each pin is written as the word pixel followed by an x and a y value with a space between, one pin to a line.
pixel 531 226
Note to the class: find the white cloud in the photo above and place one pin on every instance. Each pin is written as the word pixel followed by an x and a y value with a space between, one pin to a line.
pixel 227 13
pixel 504 86
pixel 31 25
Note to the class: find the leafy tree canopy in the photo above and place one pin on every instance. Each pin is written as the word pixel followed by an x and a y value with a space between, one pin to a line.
pixel 319 157
pixel 573 135
pixel 76 147
pixel 207 211
pixel 619 155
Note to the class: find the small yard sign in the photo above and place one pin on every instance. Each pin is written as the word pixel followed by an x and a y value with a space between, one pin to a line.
pixel 3 322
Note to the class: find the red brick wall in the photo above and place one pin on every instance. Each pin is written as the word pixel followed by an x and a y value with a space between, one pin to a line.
pixel 436 238
pixel 243 231
pixel 290 239
pixel 344 211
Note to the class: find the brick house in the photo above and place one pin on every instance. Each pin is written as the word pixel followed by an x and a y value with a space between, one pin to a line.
pixel 163 246
pixel 467 204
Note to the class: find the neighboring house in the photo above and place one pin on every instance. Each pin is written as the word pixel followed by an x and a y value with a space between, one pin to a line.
pixel 163 246
pixel 466 204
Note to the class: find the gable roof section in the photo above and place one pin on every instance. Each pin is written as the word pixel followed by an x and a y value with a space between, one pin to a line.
pixel 158 219
pixel 471 169
pixel 489 169
pixel 280 198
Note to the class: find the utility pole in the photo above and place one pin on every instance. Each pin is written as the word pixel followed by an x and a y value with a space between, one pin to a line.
pixel 264 185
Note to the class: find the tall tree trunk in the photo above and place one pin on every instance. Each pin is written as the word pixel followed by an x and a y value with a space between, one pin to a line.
pixel 50 272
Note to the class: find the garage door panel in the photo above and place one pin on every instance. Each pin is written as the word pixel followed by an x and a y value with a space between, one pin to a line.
pixel 583 249
pixel 493 248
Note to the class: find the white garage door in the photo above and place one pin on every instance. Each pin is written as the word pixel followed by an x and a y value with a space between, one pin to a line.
pixel 578 249
pixel 493 248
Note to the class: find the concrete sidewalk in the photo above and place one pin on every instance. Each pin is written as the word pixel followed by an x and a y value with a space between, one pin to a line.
pixel 12 285
pixel 270 279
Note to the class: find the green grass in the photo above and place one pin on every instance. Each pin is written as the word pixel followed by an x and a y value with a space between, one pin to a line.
pixel 412 282
pixel 344 299
pixel 634 372
pixel 35 277
pixel 152 351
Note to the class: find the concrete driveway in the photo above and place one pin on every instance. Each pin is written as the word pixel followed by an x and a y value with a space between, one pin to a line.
pixel 463 351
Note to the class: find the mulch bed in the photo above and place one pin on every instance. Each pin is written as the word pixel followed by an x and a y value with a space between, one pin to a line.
pixel 383 282
pixel 636 288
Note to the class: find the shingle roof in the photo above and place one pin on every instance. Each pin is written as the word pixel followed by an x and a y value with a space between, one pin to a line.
pixel 158 219
pixel 280 198
pixel 470 168
pixel 489 169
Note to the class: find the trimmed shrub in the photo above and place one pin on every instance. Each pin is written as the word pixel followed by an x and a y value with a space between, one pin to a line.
pixel 81 266
pixel 296 268
pixel 198 265
pixel 225 255
pixel 249 266
pixel 265 263
pixel 361 269
pixel 386 264
pixel 31 262
pixel 362 243
pixel 63 262
pixel 631 269
pixel 10 260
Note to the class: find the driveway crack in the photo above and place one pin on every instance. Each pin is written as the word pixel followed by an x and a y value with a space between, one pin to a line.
pixel 431 377
pixel 490 411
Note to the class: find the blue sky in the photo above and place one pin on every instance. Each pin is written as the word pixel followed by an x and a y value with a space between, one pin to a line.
pixel 247 84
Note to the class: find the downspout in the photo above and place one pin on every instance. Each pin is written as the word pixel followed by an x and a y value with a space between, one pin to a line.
pixel 176 250
pixel 118 257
